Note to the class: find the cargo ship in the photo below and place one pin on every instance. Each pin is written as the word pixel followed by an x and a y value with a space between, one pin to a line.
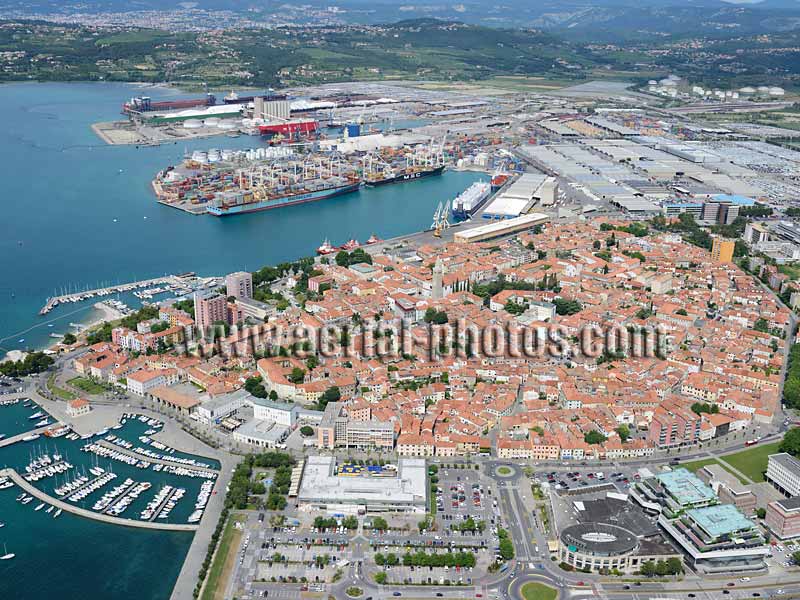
pixel 407 174
pixel 234 98
pixel 468 202
pixel 302 126
pixel 226 205
pixel 141 104
pixel 499 180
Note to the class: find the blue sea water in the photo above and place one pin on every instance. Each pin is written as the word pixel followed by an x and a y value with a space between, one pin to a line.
pixel 63 190
pixel 73 557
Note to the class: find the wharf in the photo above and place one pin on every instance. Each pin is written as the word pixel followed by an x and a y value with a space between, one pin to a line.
pixel 161 505
pixel 86 485
pixel 82 512
pixel 124 493
pixel 19 437
pixel 166 462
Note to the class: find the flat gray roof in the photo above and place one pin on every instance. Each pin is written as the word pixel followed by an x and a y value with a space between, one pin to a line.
pixel 321 484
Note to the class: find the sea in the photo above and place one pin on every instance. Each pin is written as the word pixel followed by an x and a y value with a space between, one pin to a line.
pixel 81 214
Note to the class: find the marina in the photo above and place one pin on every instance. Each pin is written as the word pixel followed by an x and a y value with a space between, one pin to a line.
pixel 177 284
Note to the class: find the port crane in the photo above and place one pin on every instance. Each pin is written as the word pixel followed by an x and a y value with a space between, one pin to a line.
pixel 440 222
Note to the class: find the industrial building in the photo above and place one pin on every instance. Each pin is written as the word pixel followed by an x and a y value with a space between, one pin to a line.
pixel 501 229
pixel 327 485
pixel 521 196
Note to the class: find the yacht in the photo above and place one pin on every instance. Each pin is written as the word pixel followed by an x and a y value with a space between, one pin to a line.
pixel 6 554
pixel 57 513
pixel 40 507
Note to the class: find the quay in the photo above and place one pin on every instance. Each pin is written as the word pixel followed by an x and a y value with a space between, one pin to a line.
pixel 176 281
pixel 166 462
pixel 19 437
pixel 82 512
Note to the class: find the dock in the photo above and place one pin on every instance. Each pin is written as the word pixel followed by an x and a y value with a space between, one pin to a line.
pixel 82 512
pixel 162 504
pixel 172 281
pixel 165 462
pixel 19 437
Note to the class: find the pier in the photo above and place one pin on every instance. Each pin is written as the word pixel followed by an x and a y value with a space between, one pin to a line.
pixel 82 512
pixel 19 437
pixel 166 462
pixel 162 504
pixel 169 280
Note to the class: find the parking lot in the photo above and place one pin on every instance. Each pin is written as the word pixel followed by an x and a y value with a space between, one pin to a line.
pixel 585 480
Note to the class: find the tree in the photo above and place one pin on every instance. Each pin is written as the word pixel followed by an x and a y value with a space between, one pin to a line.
pixel 624 432
pixel 380 524
pixel 506 546
pixel 306 431
pixel 648 568
pixel 159 326
pixel 674 566
pixel 69 339
pixel 297 375
pixel 255 387
pixel 761 512
pixel 791 442
pixel 332 394
pixel 273 395
pixel 437 317
pixel 350 522
pixel 594 437
pixel 380 578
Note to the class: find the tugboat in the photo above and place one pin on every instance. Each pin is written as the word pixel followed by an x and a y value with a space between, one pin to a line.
pixel 326 248
pixel 351 245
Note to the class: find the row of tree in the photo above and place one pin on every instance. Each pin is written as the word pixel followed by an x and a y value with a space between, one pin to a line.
pixel 421 558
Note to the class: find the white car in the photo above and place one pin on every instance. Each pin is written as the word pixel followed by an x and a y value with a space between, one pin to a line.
pixel 744 579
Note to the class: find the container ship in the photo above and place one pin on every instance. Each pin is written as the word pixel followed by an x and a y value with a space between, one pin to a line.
pixel 470 200
pixel 406 174
pixel 224 205
pixel 142 104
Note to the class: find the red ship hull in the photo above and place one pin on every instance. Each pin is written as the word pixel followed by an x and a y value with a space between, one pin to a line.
pixel 288 128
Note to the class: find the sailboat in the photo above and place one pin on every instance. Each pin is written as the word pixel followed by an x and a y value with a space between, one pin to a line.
pixel 6 554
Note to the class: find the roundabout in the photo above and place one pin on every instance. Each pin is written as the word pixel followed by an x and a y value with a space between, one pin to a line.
pixel 533 590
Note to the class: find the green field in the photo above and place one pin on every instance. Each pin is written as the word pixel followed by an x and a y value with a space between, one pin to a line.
pixel 222 566
pixel 86 385
pixel 538 591
pixel 753 461
pixel 503 471
pixel 60 392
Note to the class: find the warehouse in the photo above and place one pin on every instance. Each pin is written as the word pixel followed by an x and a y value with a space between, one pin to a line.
pixel 521 196
pixel 503 228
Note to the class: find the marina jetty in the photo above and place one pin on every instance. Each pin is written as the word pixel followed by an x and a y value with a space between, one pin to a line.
pixel 175 283
pixel 65 506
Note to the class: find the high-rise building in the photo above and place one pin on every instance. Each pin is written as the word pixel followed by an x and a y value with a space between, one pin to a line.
pixel 209 307
pixel 239 284
pixel 722 250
